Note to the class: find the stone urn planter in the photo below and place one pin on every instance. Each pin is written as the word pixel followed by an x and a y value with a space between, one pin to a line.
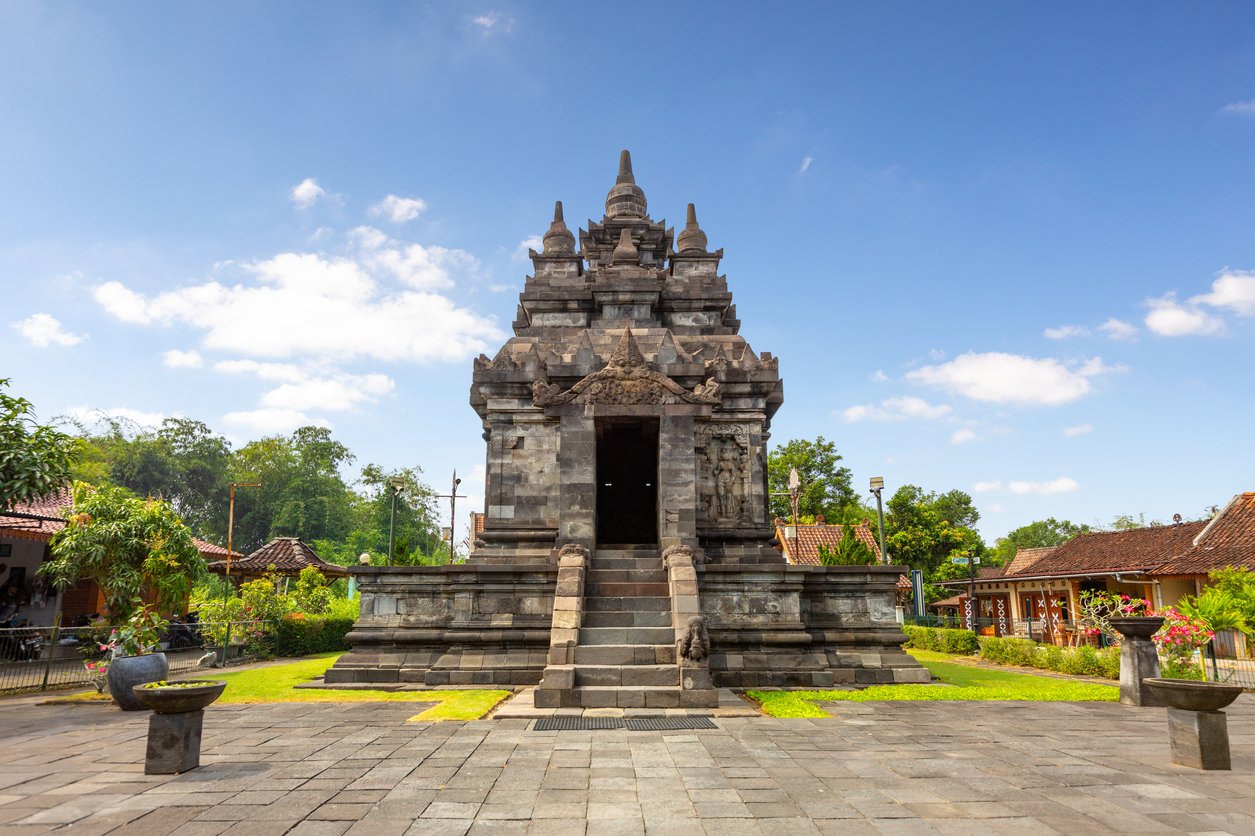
pixel 125 672
pixel 1138 658
pixel 174 729
pixel 1197 729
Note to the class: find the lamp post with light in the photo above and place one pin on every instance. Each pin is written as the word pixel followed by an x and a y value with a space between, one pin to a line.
pixel 878 485
pixel 397 484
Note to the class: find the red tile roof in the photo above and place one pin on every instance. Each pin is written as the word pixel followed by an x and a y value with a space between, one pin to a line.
pixel 1025 558
pixel 1228 540
pixel 288 556
pixel 805 551
pixel 1134 550
pixel 50 512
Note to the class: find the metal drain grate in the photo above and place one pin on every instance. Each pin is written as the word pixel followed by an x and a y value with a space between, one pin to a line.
pixel 669 723
pixel 577 723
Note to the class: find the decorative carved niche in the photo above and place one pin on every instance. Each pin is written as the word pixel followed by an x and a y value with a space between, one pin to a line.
pixel 724 466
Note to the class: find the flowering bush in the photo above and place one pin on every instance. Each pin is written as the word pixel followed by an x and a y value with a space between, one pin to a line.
pixel 98 672
pixel 1178 639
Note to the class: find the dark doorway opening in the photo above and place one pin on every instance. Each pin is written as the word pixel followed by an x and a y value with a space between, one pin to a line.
pixel 627 481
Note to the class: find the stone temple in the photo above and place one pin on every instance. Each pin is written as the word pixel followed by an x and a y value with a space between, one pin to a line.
pixel 627 558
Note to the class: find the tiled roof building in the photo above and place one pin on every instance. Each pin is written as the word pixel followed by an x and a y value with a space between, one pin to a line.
pixel 283 556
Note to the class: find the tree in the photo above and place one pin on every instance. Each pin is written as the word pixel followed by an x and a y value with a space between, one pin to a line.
pixel 849 551
pixel 927 530
pixel 35 460
pixel 825 485
pixel 1035 535
pixel 128 546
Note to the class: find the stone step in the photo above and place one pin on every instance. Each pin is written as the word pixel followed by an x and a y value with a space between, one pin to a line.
pixel 626 563
pixel 626 635
pixel 628 551
pixel 625 590
pixel 639 603
pixel 628 618
pixel 625 654
pixel 625 576
pixel 626 675
pixel 643 697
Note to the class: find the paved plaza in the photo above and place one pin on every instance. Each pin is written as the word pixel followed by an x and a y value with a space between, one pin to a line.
pixel 926 767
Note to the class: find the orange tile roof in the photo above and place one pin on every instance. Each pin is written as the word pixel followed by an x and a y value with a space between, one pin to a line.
pixel 1228 540
pixel 805 551
pixel 288 556
pixel 1025 558
pixel 1134 550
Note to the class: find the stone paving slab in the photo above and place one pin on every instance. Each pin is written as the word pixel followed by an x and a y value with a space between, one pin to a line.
pixel 926 767
pixel 523 706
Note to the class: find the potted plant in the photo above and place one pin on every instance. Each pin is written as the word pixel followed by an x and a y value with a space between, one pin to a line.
pixel 1135 618
pixel 136 656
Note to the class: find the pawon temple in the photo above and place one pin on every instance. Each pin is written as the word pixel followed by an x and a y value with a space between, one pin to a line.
pixel 627 557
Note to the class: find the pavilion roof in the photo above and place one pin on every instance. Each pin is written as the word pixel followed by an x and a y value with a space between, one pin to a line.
pixel 283 556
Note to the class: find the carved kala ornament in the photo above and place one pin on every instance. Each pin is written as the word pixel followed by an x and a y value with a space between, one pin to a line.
pixel 627 380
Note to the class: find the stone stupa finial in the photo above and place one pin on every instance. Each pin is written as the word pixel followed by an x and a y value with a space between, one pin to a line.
pixel 692 240
pixel 625 252
pixel 559 239
pixel 626 199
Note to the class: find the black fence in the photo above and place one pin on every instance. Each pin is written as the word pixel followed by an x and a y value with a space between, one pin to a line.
pixel 47 658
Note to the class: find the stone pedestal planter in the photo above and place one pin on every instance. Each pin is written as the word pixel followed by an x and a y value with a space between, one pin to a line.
pixel 174 730
pixel 1197 729
pixel 125 672
pixel 1138 658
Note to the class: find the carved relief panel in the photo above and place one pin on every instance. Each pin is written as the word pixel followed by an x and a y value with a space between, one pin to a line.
pixel 723 461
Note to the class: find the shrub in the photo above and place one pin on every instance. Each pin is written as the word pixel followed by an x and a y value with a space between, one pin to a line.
pixel 1078 661
pixel 941 640
pixel 298 634
pixel 1008 651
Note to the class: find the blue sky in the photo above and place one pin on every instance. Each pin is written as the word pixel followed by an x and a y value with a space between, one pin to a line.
pixel 999 247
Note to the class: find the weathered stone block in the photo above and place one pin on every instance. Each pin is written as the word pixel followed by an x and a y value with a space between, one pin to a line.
pixel 1199 739
pixel 173 743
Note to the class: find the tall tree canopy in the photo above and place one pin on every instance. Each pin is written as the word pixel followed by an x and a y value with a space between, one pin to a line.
pixel 1038 534
pixel 926 530
pixel 35 460
pixel 825 487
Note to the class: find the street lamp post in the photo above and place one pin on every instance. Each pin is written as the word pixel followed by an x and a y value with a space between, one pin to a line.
pixel 453 496
pixel 878 485
pixel 397 484
pixel 231 518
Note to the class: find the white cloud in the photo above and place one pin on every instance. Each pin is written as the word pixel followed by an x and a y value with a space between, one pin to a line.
pixel 399 209
pixel 936 354
pixel 1061 485
pixel 271 421
pixel 994 508
pixel 176 359
pixel 1169 318
pixel 1118 329
pixel 320 307
pixel 996 377
pixel 1233 289
pixel 306 193
pixel 895 409
pixel 42 330
pixel 531 242
pixel 491 22
pixel 1246 108
pixel 879 376
pixel 285 372
pixel 1064 332
pixel 1079 429
pixel 334 394
pixel 806 164
pixel 138 418
pixel 420 267
pixel 960 436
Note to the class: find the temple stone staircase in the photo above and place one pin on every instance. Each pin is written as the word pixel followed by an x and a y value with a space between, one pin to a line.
pixel 625 657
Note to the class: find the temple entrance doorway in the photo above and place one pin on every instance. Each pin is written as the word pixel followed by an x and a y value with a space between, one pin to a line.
pixel 627 481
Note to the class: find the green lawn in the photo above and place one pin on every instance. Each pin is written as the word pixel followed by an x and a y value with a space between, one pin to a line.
pixel 277 683
pixel 956 682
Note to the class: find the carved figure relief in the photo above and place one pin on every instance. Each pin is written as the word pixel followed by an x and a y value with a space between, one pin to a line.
pixel 724 459
pixel 694 646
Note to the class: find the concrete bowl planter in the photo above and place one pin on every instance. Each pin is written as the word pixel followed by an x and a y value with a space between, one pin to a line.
pixel 125 672
pixel 1138 626
pixel 1192 695
pixel 179 697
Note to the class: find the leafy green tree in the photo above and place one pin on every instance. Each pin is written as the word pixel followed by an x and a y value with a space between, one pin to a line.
pixel 310 593
pixel 34 460
pixel 1038 534
pixel 849 551
pixel 926 530
pixel 825 485
pixel 128 546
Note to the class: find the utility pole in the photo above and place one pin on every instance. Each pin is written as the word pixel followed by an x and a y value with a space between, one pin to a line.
pixel 453 496
pixel 231 518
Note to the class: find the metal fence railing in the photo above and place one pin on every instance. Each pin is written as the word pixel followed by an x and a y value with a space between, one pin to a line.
pixel 46 658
